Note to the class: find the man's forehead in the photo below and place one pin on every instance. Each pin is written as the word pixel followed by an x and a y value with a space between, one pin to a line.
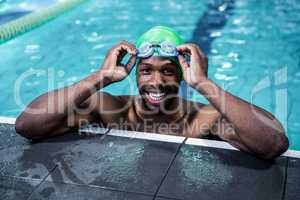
pixel 156 60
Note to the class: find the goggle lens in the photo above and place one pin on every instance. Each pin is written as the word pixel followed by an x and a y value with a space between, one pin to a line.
pixel 164 49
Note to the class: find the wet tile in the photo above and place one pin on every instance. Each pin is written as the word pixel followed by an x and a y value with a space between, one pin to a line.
pixel 21 158
pixel 25 161
pixel 36 160
pixel 293 179
pixel 16 188
pixel 54 191
pixel 9 137
pixel 127 164
pixel 209 173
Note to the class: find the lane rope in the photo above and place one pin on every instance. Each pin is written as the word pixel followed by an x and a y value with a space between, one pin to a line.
pixel 33 20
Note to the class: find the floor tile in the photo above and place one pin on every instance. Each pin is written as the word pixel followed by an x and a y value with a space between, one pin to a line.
pixel 293 180
pixel 12 188
pixel 128 164
pixel 9 137
pixel 55 191
pixel 209 173
pixel 25 161
pixel 20 157
pixel 37 160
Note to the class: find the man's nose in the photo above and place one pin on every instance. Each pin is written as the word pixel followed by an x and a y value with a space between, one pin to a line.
pixel 157 79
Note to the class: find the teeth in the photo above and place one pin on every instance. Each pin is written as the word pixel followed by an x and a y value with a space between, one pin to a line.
pixel 157 96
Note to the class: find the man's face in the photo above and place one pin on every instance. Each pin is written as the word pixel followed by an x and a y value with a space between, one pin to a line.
pixel 158 81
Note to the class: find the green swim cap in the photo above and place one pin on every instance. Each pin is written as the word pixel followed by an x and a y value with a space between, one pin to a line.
pixel 159 34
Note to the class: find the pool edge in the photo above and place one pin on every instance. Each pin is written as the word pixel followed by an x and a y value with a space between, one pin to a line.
pixel 164 138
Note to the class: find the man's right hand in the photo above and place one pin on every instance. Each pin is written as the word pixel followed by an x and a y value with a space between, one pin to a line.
pixel 112 69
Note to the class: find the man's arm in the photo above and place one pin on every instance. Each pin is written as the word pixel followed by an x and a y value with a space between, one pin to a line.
pixel 59 111
pixel 244 125
pixel 56 112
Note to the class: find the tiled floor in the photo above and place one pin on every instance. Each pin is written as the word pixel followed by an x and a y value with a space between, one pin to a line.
pixel 211 173
pixel 53 190
pixel 75 166
pixel 116 162
pixel 293 180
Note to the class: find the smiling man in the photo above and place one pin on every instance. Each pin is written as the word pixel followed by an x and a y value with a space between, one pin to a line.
pixel 163 61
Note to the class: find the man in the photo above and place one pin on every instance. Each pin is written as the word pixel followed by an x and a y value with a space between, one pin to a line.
pixel 163 60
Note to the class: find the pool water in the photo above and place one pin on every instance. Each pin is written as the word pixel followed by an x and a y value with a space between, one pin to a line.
pixel 253 49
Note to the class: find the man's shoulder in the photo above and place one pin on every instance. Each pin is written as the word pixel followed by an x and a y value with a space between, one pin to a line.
pixel 111 107
pixel 109 96
pixel 104 101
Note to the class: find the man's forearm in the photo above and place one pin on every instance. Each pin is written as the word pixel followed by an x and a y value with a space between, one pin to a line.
pixel 255 128
pixel 48 111
pixel 78 93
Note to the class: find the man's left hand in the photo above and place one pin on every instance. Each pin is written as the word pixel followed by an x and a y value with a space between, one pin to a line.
pixel 195 71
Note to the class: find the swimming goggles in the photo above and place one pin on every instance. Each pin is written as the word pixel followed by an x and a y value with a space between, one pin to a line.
pixel 164 49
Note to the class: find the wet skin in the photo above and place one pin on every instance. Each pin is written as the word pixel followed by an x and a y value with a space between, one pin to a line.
pixel 157 108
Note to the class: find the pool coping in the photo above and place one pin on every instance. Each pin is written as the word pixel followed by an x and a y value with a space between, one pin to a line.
pixel 168 138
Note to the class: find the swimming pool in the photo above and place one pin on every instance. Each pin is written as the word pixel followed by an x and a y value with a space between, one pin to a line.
pixel 13 9
pixel 253 49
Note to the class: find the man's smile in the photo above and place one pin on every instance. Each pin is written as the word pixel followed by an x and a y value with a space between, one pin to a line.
pixel 155 98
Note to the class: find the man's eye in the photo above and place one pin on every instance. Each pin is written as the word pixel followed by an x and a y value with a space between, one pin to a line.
pixel 145 71
pixel 168 72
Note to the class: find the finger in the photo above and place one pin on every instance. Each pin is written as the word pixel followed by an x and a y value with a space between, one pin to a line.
pixel 184 49
pixel 131 63
pixel 130 48
pixel 196 52
pixel 183 62
pixel 117 53
pixel 188 48
pixel 120 56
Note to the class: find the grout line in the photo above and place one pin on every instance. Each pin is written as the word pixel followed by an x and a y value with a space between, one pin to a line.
pixel 169 167
pixel 42 181
pixel 105 134
pixel 19 178
pixel 100 187
pixel 102 137
pixel 167 198
pixel 163 138
pixel 285 179
pixel 111 189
